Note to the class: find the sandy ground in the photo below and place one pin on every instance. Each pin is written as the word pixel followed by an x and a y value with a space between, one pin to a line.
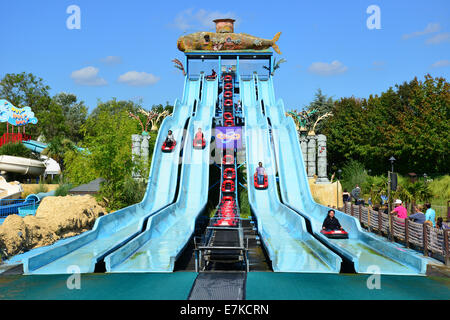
pixel 56 218
pixel 31 188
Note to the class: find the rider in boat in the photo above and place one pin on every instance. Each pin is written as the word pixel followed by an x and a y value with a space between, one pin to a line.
pixel 260 173
pixel 331 223
pixel 199 135
pixel 170 139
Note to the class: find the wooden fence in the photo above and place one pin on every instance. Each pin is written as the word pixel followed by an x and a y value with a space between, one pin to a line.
pixel 430 240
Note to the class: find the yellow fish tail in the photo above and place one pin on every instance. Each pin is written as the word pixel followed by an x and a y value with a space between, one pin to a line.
pixel 274 46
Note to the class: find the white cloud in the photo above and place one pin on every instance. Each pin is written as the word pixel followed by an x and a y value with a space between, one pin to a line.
pixel 88 77
pixel 111 60
pixel 201 19
pixel 430 28
pixel 138 79
pixel 327 69
pixel 439 38
pixel 441 63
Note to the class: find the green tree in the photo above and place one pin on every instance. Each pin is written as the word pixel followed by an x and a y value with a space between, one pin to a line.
pixel 108 141
pixel 409 122
pixel 74 113
pixel 323 105
pixel 25 90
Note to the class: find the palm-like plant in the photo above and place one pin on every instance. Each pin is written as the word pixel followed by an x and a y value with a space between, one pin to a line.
pixel 414 191
pixel 57 148
pixel 179 65
pixel 276 65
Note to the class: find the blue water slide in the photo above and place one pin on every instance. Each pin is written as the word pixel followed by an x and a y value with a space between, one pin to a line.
pixel 113 230
pixel 167 233
pixel 38 147
pixel 367 252
pixel 37 197
pixel 34 146
pixel 290 247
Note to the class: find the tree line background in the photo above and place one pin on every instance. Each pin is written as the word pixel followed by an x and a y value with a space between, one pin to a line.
pixel 409 121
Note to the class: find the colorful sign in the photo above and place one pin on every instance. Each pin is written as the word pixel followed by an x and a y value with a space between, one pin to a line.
pixel 228 137
pixel 16 116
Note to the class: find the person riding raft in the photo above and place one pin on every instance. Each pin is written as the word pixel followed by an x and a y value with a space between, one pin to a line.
pixel 170 140
pixel 331 223
pixel 199 136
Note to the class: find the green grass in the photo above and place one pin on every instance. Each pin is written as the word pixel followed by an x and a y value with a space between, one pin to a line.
pixel 41 188
pixel 63 190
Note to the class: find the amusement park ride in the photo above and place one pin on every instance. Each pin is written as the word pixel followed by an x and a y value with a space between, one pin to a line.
pixel 229 94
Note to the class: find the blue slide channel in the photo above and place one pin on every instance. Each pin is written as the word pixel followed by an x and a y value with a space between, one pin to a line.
pixel 113 230
pixel 367 252
pixel 290 247
pixel 168 232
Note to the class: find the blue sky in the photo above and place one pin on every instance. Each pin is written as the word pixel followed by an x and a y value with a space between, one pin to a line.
pixel 124 48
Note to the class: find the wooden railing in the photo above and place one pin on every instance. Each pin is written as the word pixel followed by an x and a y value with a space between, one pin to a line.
pixel 430 240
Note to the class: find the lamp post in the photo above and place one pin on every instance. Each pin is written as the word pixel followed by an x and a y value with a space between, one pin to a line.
pixel 337 188
pixel 425 177
pixel 391 159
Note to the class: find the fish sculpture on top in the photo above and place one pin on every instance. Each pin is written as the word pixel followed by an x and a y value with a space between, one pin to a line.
pixel 224 39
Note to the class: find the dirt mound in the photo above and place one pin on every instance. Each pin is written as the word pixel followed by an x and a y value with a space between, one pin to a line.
pixel 56 218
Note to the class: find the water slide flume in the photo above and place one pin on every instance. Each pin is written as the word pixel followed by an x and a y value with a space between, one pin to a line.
pixel 366 251
pixel 113 230
pixel 21 165
pixel 290 247
pixel 167 233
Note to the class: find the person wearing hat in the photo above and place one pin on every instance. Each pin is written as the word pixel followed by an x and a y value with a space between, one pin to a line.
pixel 400 210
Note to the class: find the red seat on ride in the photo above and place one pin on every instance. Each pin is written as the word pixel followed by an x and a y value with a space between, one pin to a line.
pixel 228 94
pixel 229 173
pixel 229 123
pixel 228 159
pixel 260 186
pixel 228 116
pixel 228 186
pixel 164 148
pixel 335 234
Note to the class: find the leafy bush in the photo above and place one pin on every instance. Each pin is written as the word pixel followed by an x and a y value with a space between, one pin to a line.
pixel 17 150
pixel 353 173
pixel 41 188
pixel 133 191
pixel 440 188
pixel 63 190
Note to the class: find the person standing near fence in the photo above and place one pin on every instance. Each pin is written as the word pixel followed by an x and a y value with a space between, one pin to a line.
pixel 346 196
pixel 441 225
pixel 418 217
pixel 355 194
pixel 400 210
pixel 430 214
